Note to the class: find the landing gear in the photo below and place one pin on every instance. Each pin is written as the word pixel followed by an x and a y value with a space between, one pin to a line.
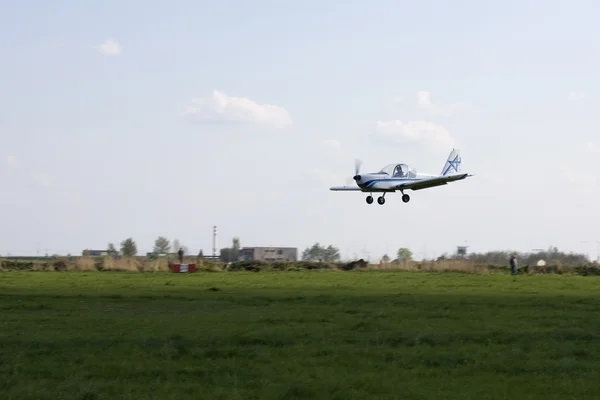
pixel 405 198
pixel 380 199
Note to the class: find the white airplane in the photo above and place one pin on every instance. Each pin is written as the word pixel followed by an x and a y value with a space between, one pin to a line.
pixel 401 177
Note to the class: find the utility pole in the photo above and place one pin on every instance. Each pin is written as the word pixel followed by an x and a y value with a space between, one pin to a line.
pixel 214 241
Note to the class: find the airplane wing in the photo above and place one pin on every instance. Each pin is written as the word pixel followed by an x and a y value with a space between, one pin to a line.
pixel 344 188
pixel 431 182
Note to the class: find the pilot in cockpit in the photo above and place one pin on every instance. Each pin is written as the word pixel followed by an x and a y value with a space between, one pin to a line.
pixel 398 171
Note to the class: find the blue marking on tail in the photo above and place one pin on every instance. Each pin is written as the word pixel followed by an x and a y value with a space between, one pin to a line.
pixel 453 164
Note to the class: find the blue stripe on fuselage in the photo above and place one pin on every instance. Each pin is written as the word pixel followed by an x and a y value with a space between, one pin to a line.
pixel 372 182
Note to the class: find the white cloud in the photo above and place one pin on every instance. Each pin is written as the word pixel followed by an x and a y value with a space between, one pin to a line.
pixel 592 148
pixel 326 177
pixel 425 102
pixel 46 181
pixel 576 96
pixel 332 146
pixel 333 149
pixel 587 181
pixel 337 158
pixel 109 47
pixel 417 132
pixel 12 162
pixel 492 178
pixel 72 198
pixel 424 99
pixel 43 179
pixel 221 107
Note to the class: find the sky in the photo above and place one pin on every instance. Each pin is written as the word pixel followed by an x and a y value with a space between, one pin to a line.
pixel 141 119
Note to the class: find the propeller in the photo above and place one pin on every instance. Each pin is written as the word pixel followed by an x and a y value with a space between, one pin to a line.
pixel 357 164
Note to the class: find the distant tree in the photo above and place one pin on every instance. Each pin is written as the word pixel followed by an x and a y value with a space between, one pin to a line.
pixel 200 254
pixel 85 253
pixel 128 247
pixel 111 251
pixel 177 245
pixel 331 254
pixel 312 253
pixel 161 245
pixel 385 259
pixel 404 254
pixel 319 253
pixel 235 247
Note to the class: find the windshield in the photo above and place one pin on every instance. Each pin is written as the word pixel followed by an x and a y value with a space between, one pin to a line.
pixel 396 170
pixel 388 169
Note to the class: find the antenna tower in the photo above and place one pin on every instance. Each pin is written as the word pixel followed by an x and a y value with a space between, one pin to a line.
pixel 214 241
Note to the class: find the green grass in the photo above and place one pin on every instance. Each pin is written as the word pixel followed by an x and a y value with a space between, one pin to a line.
pixel 286 335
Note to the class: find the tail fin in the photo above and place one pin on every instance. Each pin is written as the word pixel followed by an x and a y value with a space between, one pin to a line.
pixel 452 165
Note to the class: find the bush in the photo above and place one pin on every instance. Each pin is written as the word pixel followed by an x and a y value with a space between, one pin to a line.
pixel 60 265
pixel 144 264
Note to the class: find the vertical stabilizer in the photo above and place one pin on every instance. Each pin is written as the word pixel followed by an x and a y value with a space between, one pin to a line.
pixel 452 165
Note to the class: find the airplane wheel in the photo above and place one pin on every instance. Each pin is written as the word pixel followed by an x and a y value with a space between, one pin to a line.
pixel 369 199
pixel 405 198
pixel 381 200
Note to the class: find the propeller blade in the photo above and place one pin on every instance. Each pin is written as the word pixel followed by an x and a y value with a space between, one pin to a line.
pixel 357 164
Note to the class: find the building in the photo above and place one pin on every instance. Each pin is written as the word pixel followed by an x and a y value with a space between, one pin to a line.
pixel 95 253
pixel 268 254
pixel 155 255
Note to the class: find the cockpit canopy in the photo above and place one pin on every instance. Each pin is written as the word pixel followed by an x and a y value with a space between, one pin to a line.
pixel 398 171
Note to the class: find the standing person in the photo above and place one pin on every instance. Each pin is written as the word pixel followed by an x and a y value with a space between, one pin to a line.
pixel 180 252
pixel 513 264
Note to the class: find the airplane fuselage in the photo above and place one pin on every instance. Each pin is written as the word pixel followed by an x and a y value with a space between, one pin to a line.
pixel 377 183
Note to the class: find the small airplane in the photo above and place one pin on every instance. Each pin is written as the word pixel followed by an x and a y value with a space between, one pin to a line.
pixel 402 177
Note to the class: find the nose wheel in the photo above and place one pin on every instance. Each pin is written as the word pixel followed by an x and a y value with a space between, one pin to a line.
pixel 369 199
pixel 405 198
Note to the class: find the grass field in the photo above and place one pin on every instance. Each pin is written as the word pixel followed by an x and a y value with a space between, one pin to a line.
pixel 286 335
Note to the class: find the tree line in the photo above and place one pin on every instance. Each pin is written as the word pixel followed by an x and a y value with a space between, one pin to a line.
pixel 551 256
pixel 162 245
pixel 128 248
pixel 330 253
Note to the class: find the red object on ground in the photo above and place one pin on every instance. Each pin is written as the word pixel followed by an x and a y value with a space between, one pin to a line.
pixel 183 268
